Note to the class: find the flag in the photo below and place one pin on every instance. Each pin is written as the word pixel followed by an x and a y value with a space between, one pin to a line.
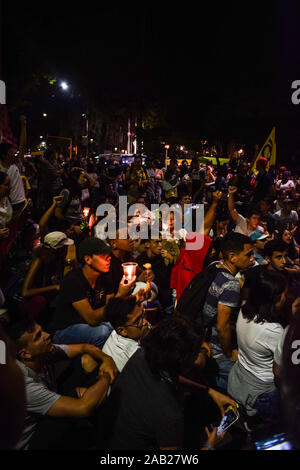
pixel 268 151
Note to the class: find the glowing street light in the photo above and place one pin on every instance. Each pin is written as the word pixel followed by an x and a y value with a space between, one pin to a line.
pixel 167 147
pixel 44 114
pixel 64 85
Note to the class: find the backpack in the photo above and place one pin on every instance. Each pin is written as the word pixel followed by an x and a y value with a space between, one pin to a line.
pixel 192 301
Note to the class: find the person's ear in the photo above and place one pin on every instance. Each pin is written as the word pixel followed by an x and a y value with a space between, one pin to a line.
pixel 232 258
pixel 121 330
pixel 24 355
pixel 88 260
pixel 113 244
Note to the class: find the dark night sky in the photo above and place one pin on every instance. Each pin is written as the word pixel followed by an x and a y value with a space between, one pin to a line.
pixel 216 70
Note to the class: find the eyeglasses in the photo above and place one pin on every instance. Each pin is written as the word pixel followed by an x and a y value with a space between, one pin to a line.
pixel 139 322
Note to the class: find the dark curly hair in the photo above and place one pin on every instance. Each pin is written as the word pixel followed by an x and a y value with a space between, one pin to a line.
pixel 117 310
pixel 171 347
pixel 263 297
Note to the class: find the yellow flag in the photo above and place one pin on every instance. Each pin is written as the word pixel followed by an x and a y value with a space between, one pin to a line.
pixel 268 150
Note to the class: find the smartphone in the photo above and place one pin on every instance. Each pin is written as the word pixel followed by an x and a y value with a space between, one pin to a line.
pixel 277 442
pixel 229 418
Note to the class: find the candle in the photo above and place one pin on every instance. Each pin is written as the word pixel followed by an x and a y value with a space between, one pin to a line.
pixel 129 270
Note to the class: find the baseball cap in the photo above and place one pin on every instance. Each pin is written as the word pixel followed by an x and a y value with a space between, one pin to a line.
pixel 56 240
pixel 257 235
pixel 93 246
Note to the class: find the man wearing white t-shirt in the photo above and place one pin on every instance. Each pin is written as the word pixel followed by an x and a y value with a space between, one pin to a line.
pixel 243 225
pixel 127 316
pixel 286 215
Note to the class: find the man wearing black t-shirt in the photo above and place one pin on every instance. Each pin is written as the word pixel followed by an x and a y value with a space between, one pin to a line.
pixel 145 410
pixel 79 316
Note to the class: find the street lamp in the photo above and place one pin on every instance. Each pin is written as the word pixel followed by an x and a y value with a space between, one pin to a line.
pixel 167 147
pixel 64 85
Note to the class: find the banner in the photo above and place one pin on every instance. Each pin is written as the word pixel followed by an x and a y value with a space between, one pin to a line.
pixel 268 150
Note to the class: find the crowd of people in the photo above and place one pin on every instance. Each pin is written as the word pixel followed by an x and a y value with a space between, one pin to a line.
pixel 112 363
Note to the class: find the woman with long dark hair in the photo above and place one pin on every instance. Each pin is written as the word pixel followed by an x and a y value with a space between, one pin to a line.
pixel 259 330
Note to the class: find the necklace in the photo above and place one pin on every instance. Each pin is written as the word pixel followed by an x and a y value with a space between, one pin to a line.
pixel 226 267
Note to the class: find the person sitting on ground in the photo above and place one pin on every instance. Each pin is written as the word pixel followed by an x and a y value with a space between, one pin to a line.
pixel 71 208
pixel 293 257
pixel 122 248
pixel 127 316
pixel 47 259
pixel 45 275
pixel 79 316
pixel 264 207
pixel 243 225
pixel 47 410
pixel 259 240
pixel 275 253
pixel 148 385
pixel 286 216
pixel 155 256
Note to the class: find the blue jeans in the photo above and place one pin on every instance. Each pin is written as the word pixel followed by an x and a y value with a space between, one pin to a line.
pixel 268 406
pixel 224 366
pixel 84 334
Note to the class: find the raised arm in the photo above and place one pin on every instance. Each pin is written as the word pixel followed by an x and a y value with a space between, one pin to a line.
pixel 27 290
pixel 209 218
pixel 231 205
pixel 47 215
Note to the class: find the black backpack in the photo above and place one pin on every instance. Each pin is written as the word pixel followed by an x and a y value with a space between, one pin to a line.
pixel 192 300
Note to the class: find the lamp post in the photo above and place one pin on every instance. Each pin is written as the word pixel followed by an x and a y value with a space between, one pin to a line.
pixel 167 147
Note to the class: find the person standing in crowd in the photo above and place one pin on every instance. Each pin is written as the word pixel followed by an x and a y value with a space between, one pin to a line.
pixel 222 298
pixel 137 179
pixel 259 330
pixel 50 177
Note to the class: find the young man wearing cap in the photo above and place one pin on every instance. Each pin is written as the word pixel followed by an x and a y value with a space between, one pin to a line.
pixel 79 316
pixel 45 273
pixel 259 239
